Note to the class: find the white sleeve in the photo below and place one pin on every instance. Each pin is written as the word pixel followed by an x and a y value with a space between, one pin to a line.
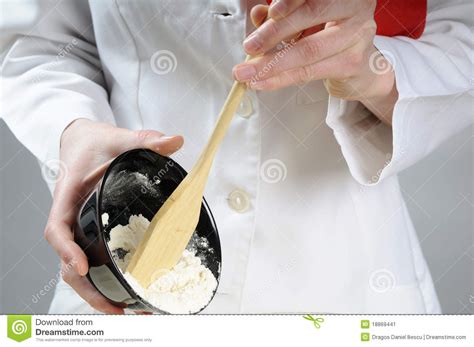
pixel 51 73
pixel 435 86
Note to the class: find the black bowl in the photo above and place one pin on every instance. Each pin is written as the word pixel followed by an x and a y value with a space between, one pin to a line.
pixel 123 192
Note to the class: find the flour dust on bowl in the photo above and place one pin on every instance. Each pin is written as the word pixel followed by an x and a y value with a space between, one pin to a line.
pixel 114 219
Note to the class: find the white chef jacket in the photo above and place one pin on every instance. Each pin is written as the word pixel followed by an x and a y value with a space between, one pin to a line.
pixel 304 189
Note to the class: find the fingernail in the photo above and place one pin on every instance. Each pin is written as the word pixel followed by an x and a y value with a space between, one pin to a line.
pixel 244 72
pixel 166 138
pixel 252 44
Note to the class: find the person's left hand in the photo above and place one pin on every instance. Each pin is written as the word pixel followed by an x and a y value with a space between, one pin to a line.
pixel 334 43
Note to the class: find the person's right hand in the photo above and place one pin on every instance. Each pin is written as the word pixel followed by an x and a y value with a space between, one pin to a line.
pixel 87 148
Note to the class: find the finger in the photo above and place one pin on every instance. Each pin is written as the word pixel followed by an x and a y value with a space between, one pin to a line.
pixel 308 50
pixel 270 33
pixel 86 290
pixel 58 232
pixel 150 139
pixel 163 145
pixel 69 193
pixel 258 14
pixel 59 235
pixel 340 67
pixel 282 8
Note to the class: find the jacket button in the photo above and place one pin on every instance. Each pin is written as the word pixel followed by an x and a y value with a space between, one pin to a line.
pixel 239 200
pixel 245 108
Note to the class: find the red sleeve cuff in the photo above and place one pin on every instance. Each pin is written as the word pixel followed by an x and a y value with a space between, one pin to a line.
pixel 401 17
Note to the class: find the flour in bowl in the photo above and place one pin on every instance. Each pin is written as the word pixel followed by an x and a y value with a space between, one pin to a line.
pixel 186 288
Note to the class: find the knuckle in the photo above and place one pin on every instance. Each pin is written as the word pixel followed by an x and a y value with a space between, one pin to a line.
pixel 309 71
pixel 310 50
pixel 266 84
pixel 355 60
pixel 371 27
pixel 313 7
pixel 304 73
pixel 272 28
pixel 48 232
pixel 368 28
pixel 143 135
pixel 301 74
pixel 277 82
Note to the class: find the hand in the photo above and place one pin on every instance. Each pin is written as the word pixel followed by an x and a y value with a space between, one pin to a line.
pixel 87 148
pixel 330 40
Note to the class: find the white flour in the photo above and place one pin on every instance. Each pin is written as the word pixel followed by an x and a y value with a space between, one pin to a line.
pixel 186 288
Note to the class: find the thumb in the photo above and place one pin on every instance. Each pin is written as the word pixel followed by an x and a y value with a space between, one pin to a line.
pixel 150 139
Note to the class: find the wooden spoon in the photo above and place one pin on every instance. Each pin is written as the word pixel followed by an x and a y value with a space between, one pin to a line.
pixel 175 222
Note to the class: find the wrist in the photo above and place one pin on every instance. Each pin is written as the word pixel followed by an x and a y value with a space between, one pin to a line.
pixel 382 102
pixel 381 92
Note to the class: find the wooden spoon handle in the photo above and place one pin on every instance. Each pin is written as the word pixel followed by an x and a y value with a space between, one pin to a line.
pixel 227 113
pixel 229 108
